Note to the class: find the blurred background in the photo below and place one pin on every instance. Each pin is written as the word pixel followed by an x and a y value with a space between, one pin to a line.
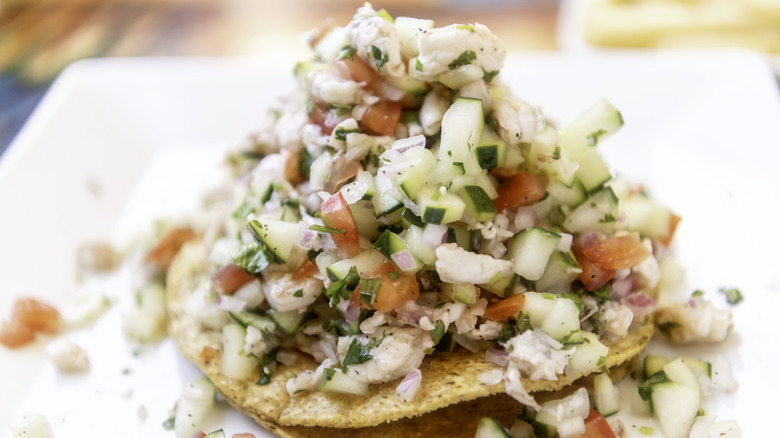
pixel 39 38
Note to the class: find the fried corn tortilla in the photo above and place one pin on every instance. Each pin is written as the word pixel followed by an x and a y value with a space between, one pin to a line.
pixel 450 388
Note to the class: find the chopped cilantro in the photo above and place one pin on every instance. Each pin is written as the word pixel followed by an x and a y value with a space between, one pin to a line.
pixel 468 27
pixel 418 65
pixel 368 289
pixel 358 352
pixel 169 424
pixel 252 257
pixel 593 138
pixel 438 332
pixel 465 58
pixel 603 293
pixel 523 323
pixel 341 133
pixel 347 52
pixel 380 56
pixel 489 75
pixel 298 293
pixel 329 230
pixel 267 366
pixel 733 295
pixel 507 332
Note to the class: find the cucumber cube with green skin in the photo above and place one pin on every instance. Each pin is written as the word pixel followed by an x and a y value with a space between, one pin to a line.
pixel 503 286
pixel 606 396
pixel 530 250
pixel 562 269
pixel 598 212
pixel 461 292
pixel 557 316
pixel 421 163
pixel 419 248
pixel 388 197
pixel 491 150
pixel 394 247
pixel 478 204
pixel 365 262
pixel 335 381
pixel 653 364
pixel 491 428
pixel 463 237
pixel 438 207
pixel 461 130
pixel 584 133
pixel 277 236
pixel 675 407
pixel 288 321
pixel 587 356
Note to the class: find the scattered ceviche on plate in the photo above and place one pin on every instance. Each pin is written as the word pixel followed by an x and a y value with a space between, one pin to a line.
pixel 408 248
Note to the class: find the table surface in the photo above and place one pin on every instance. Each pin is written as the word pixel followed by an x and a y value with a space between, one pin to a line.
pixel 38 39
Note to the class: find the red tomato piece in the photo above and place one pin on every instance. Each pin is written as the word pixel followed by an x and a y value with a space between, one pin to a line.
pixel 14 334
pixel 208 352
pixel 327 118
pixel 229 279
pixel 242 435
pixel 304 271
pixel 292 171
pixel 596 426
pixel 36 315
pixel 618 252
pixel 168 246
pixel 336 214
pixel 356 69
pixel 523 189
pixel 381 118
pixel 395 290
pixel 666 239
pixel 502 310
pixel 593 276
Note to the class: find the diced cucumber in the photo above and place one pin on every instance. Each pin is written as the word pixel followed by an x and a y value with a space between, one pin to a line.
pixel 319 171
pixel 588 356
pixel 461 130
pixel 235 364
pixel 260 322
pixel 640 213
pixel 503 286
pixel 566 416
pixel 606 397
pixel 325 259
pixel 478 204
pixel 538 305
pixel 437 207
pixel 460 76
pixel 561 270
pixel 491 428
pixel 408 28
pixel 193 405
pixel 278 237
pixel 598 212
pixel 419 248
pixel 557 316
pixel 593 171
pixel 219 433
pixel 584 133
pixel 530 250
pixel 388 197
pixel 444 172
pixel 490 150
pixel 365 219
pixel 335 381
pixel 654 363
pixel 698 365
pixel 421 163
pixel 569 195
pixel 521 429
pixel 461 292
pixel 287 321
pixel 547 155
pixel 678 371
pixel 330 45
pixel 394 247
pixel 482 180
pixel 365 262
pixel 675 407
pixel 461 236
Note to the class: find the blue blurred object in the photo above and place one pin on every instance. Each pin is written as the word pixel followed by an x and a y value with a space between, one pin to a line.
pixel 17 101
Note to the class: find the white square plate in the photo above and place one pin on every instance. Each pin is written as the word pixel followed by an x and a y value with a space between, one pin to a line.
pixel 116 143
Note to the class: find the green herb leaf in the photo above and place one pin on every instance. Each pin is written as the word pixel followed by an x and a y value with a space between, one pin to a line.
pixel 523 323
pixel 267 366
pixel 465 58
pixel 733 295
pixel 438 332
pixel 380 56
pixel 252 257
pixel 507 332
pixel 368 289
pixel 418 65
pixel 489 75
pixel 468 27
pixel 341 133
pixel 358 352
pixel 169 424
pixel 329 230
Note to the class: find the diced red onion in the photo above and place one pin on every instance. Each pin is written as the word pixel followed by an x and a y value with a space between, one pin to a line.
pixel 497 356
pixel 404 144
pixel 307 239
pixel 640 304
pixel 404 260
pixel 409 386
pixel 589 238
pixel 434 235
pixel 230 303
pixel 621 288
pixel 352 314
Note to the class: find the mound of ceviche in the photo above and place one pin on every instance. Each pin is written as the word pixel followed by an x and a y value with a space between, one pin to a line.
pixel 407 248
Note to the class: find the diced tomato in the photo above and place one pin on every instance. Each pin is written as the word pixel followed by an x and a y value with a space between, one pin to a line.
pixel 396 288
pixel 242 435
pixel 596 426
pixel 523 189
pixel 336 213
pixel 36 315
pixel 502 310
pixel 666 239
pixel 291 169
pixel 229 279
pixel 618 252
pixel 14 334
pixel 327 118
pixel 593 276
pixel 342 170
pixel 199 434
pixel 381 118
pixel 168 246
pixel 358 70
pixel 304 271
pixel 208 352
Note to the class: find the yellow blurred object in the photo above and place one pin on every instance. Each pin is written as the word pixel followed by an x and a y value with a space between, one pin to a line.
pixel 752 24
